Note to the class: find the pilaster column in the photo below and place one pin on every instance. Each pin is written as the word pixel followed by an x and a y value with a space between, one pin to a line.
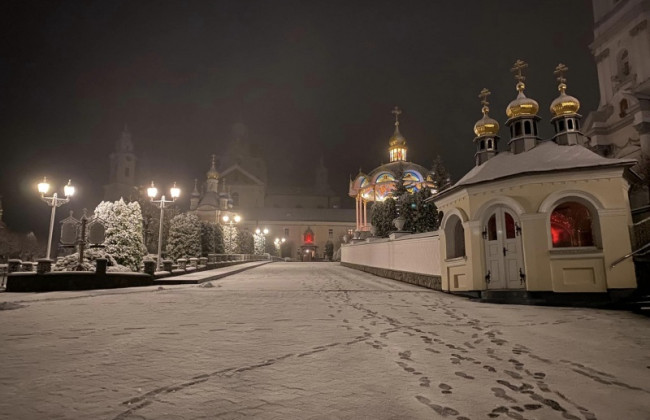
pixel 365 214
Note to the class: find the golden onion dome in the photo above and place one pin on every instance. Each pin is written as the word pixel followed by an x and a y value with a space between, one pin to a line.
pixel 397 139
pixel 486 126
pixel 564 104
pixel 522 105
pixel 212 172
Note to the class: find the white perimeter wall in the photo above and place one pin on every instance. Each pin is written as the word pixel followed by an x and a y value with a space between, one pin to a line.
pixel 418 253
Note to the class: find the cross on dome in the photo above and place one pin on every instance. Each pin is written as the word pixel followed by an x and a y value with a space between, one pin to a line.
pixel 396 111
pixel 517 68
pixel 483 96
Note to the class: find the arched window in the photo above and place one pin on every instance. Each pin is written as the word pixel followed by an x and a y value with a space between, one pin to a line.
pixel 572 225
pixel 454 238
pixel 569 124
pixel 235 199
pixel 489 144
pixel 527 128
pixel 518 128
pixel 482 145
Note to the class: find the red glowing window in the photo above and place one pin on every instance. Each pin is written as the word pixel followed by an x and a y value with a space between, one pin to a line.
pixel 571 226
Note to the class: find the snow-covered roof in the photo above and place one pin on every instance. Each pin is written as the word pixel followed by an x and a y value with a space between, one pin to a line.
pixel 545 157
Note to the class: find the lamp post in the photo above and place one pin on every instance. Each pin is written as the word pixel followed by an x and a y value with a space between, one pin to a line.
pixel 152 192
pixel 231 221
pixel 54 201
pixel 261 234
pixel 278 243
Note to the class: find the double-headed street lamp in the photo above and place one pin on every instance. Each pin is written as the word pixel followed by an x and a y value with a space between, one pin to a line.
pixel 278 243
pixel 261 233
pixel 152 192
pixel 54 201
pixel 231 221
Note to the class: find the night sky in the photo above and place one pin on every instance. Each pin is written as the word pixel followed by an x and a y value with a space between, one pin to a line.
pixel 308 78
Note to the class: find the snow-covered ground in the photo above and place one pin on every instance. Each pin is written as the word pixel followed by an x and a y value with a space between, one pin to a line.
pixel 314 340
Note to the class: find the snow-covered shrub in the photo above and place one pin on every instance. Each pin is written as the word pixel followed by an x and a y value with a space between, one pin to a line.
pixel 245 243
pixel 123 224
pixel 70 262
pixel 184 239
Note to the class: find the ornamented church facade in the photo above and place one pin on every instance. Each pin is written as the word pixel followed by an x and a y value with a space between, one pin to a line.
pixel 305 218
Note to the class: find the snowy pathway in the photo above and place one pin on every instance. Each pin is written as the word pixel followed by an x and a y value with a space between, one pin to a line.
pixel 314 340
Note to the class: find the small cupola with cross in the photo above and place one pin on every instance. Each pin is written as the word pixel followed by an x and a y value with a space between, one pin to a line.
pixel 522 115
pixel 564 109
pixel 397 142
pixel 486 130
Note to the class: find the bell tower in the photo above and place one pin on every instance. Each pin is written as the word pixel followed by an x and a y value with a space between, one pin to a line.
pixel 122 170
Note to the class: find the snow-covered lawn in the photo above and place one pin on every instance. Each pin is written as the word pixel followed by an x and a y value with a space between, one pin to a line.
pixel 314 340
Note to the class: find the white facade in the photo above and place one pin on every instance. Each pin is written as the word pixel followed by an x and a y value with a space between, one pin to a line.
pixel 621 125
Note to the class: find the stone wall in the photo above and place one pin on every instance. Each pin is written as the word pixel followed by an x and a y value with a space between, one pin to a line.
pixel 411 258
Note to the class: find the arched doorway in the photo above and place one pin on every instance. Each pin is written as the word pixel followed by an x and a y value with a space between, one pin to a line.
pixel 504 258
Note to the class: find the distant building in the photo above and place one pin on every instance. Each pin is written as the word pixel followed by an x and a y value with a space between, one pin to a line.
pixel 620 127
pixel 121 181
pixel 379 183
pixel 237 183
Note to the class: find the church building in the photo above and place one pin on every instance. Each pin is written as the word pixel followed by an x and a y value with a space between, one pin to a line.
pixel 379 183
pixel 307 219
pixel 539 215
pixel 122 182
pixel 620 127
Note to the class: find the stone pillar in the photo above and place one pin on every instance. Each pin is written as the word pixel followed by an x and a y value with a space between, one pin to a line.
pixel 194 262
pixel 44 266
pixel 203 261
pixel 167 265
pixel 182 263
pixel 150 267
pixel 14 266
pixel 102 265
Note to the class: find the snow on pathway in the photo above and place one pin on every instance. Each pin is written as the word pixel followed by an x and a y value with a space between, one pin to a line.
pixel 314 341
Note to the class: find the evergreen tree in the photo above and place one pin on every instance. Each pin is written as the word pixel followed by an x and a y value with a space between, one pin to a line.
pixel 441 177
pixel 382 214
pixel 184 237
pixel 208 238
pixel 219 247
pixel 151 223
pixel 329 250
pixel 425 217
pixel 245 242
pixel 230 235
pixel 123 235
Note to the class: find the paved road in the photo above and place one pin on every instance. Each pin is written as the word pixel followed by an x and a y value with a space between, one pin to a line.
pixel 314 341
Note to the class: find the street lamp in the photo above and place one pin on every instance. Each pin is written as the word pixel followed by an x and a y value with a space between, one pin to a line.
pixel 54 201
pixel 152 192
pixel 231 220
pixel 261 234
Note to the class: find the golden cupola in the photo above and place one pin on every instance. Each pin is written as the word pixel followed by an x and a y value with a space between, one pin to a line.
pixel 397 142
pixel 212 172
pixel 486 126
pixel 564 104
pixel 522 105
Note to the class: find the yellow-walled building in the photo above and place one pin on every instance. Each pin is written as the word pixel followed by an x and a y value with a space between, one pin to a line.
pixel 542 216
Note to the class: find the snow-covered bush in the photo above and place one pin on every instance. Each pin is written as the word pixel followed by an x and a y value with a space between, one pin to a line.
pixel 245 243
pixel 184 239
pixel 70 262
pixel 230 235
pixel 123 239
pixel 211 239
